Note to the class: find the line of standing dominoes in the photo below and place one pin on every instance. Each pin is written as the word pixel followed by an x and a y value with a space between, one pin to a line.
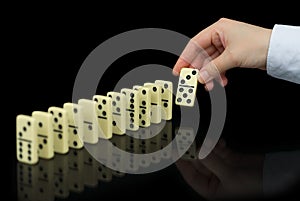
pixel 59 128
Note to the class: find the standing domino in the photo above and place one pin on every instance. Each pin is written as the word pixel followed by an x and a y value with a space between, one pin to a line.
pixel 132 109
pixel 118 112
pixel 155 91
pixel 104 114
pixel 187 85
pixel 60 129
pixel 26 139
pixel 87 126
pixel 166 98
pixel 144 104
pixel 75 138
pixel 44 134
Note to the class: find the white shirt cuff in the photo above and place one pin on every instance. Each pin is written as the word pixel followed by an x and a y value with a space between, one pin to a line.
pixel 283 59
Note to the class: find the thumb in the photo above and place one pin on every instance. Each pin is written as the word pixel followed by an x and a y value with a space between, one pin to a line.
pixel 215 68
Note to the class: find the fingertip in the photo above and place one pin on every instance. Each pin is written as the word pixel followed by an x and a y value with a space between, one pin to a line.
pixel 175 73
pixel 209 86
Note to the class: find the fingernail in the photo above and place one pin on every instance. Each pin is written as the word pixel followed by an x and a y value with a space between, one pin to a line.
pixel 209 86
pixel 204 76
pixel 175 73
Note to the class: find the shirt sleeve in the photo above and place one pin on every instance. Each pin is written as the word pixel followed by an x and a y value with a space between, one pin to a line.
pixel 283 59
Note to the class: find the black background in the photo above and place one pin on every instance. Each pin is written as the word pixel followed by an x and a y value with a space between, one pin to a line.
pixel 48 43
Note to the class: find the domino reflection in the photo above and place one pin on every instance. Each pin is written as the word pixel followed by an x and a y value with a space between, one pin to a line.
pixel 73 172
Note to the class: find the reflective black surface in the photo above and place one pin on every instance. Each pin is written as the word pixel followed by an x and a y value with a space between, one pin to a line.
pixel 224 174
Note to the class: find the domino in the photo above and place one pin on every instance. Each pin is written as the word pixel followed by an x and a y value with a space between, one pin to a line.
pixel 104 115
pixel 118 112
pixel 144 147
pixel 155 93
pixel 26 139
pixel 132 109
pixel 187 86
pixel 44 134
pixel 75 137
pixel 166 98
pixel 60 129
pixel 61 178
pixel 87 125
pixel 75 172
pixel 144 105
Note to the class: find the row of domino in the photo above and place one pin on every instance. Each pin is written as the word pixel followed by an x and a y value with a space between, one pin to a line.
pixel 45 133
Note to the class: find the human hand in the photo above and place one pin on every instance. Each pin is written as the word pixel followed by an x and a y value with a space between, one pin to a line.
pixel 225 174
pixel 224 45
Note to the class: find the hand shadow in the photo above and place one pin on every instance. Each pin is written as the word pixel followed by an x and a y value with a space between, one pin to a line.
pixel 225 174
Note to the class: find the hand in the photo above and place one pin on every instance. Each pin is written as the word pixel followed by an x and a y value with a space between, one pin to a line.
pixel 224 174
pixel 224 45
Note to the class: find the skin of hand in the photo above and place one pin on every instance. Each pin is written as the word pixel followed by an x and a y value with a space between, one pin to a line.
pixel 224 45
pixel 225 174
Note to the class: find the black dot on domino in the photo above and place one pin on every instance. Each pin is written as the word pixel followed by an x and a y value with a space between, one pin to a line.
pixel 75 110
pixel 99 107
pixel 181 89
pixel 24 129
pixel 104 102
pixel 143 102
pixel 194 72
pixel 114 123
pixel 188 101
pixel 20 134
pixel 143 111
pixel 90 127
pixel 104 113
pixel 131 95
pixel 124 92
pixel 131 100
pixel 131 106
pixel 28 123
pixel 179 100
pixel 110 96
pixel 118 109
pixel 131 114
pixel 95 99
pixel 75 144
pixel 40 124
pixel 131 120
pixel 114 103
pixel 162 90
pixel 184 95
pixel 144 92
pixel 188 77
pixel 131 125
pixel 165 85
pixel 60 126
pixel 143 122
pixel 190 91
pixel 59 136
pixel 40 146
pixel 140 116
pixel 118 98
pixel 55 120
pixel 182 81
pixel 154 89
pixel 45 141
pixel 165 104
pixel 60 114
